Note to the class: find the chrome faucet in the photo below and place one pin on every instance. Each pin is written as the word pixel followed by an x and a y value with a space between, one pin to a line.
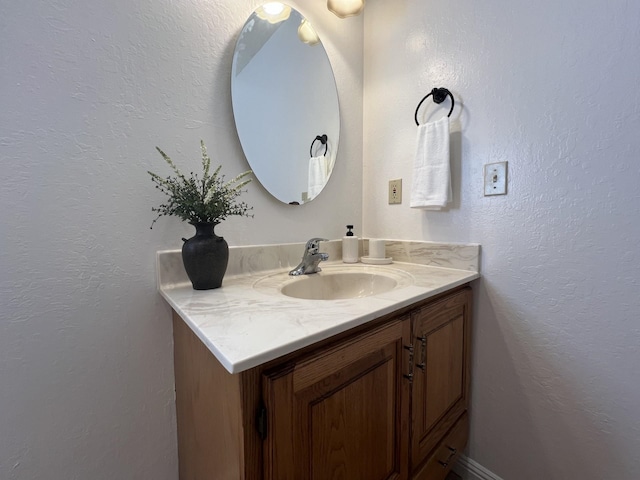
pixel 311 258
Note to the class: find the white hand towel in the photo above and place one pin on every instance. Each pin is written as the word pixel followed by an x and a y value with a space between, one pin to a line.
pixel 317 176
pixel 431 168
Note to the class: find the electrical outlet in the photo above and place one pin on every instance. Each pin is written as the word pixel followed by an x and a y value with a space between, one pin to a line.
pixel 395 191
pixel 495 179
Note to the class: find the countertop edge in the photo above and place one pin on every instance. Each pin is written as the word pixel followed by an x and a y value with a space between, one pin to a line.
pixel 200 334
pixel 258 360
pixel 249 361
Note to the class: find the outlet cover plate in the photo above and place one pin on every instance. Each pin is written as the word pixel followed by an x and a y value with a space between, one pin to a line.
pixel 395 191
pixel 495 179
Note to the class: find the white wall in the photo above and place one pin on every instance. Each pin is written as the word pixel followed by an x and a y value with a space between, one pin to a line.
pixel 87 89
pixel 552 88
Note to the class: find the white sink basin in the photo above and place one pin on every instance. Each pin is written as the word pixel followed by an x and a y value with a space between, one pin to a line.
pixel 336 282
pixel 333 286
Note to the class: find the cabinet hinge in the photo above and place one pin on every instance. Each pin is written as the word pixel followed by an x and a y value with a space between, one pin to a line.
pixel 261 421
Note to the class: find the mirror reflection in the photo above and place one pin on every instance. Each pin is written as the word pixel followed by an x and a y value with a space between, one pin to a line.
pixel 285 103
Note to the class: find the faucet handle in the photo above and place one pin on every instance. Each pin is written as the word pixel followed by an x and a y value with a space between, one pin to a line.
pixel 313 245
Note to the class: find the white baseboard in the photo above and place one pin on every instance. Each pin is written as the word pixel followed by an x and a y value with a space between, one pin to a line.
pixel 471 470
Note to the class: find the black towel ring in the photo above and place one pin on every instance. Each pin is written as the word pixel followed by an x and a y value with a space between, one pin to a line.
pixel 323 141
pixel 439 95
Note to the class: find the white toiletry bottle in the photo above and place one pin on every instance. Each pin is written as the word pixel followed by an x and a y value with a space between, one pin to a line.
pixel 350 246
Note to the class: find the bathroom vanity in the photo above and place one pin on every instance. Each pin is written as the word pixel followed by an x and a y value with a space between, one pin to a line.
pixel 274 387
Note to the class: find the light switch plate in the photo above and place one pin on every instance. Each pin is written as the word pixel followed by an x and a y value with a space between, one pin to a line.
pixel 495 179
pixel 395 191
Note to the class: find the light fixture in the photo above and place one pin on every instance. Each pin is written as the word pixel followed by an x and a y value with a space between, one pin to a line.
pixel 345 8
pixel 273 12
pixel 307 33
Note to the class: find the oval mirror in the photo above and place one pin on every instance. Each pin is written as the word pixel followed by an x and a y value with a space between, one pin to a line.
pixel 285 103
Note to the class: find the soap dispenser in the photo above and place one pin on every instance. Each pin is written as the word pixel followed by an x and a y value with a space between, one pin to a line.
pixel 350 246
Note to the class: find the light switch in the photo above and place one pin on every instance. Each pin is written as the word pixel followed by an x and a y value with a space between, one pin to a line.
pixel 495 179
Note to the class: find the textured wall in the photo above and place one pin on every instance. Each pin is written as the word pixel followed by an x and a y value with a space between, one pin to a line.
pixel 87 89
pixel 552 88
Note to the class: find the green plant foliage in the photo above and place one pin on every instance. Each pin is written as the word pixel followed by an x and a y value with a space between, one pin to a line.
pixel 199 200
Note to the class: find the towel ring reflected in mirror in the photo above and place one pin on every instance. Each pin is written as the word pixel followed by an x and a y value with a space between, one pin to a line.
pixel 323 140
pixel 439 96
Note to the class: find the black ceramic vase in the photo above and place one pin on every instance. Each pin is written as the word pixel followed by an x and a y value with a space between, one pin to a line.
pixel 205 257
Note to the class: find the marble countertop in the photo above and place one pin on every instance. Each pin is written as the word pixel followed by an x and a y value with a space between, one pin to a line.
pixel 246 325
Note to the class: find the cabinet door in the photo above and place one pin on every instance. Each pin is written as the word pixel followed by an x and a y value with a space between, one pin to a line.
pixel 441 336
pixel 341 414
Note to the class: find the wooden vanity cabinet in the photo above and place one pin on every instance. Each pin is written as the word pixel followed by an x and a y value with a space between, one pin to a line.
pixel 362 407
pixel 441 334
pixel 341 414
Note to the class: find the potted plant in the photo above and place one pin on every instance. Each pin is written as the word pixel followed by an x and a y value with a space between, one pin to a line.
pixel 204 202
